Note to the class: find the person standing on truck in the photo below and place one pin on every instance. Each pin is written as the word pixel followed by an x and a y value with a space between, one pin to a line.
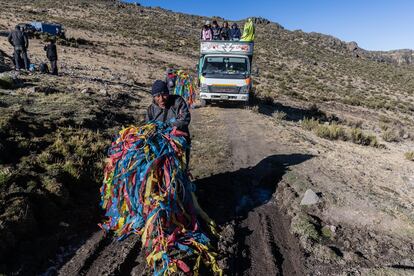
pixel 248 32
pixel 225 31
pixel 235 32
pixel 169 109
pixel 51 53
pixel 215 29
pixel 20 42
pixel 206 33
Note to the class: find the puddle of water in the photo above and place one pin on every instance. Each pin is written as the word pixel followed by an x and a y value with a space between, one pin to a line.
pixel 258 197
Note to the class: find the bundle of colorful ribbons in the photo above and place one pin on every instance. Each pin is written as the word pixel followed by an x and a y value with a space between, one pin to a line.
pixel 147 191
pixel 184 86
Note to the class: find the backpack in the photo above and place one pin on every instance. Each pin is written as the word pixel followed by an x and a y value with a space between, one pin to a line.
pixel 44 69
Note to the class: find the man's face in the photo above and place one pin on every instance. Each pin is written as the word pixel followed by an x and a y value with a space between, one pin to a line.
pixel 161 100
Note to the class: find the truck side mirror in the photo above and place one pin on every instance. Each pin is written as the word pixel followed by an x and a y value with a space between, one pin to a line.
pixel 197 67
pixel 255 72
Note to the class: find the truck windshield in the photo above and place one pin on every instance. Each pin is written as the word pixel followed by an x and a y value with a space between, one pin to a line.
pixel 221 67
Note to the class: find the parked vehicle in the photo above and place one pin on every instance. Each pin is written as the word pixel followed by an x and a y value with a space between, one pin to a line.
pixel 49 28
pixel 225 71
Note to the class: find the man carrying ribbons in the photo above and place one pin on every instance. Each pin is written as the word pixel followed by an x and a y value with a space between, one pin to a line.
pixel 169 109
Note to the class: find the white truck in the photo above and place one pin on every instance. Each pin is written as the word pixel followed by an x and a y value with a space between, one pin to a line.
pixel 225 71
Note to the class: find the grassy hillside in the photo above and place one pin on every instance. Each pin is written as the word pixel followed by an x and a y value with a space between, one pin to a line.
pixel 54 131
pixel 304 66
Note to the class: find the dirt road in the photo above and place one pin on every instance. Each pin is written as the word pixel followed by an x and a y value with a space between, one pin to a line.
pixel 251 171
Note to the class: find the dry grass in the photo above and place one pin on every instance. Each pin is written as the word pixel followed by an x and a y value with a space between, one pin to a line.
pixel 409 155
pixel 334 131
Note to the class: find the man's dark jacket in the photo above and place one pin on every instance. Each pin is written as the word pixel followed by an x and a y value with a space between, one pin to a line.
pixel 225 33
pixel 175 114
pixel 18 39
pixel 235 33
pixel 216 32
pixel 51 52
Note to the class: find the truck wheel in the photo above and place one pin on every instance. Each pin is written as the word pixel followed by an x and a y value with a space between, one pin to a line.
pixel 203 103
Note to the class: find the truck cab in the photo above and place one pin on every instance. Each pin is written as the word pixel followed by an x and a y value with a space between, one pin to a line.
pixel 225 71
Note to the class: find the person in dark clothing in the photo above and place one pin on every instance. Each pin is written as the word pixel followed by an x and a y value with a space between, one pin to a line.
pixel 215 29
pixel 235 32
pixel 225 31
pixel 20 42
pixel 170 79
pixel 51 53
pixel 169 109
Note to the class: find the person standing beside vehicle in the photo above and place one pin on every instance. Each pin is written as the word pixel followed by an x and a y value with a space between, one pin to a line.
pixel 20 42
pixel 51 53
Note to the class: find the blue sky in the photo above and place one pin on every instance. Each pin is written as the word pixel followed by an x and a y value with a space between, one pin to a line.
pixel 374 25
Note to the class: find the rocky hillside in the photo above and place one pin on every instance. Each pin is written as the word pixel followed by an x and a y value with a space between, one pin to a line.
pixel 306 66
pixel 54 131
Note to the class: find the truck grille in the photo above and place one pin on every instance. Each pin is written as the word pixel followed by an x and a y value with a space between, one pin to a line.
pixel 224 89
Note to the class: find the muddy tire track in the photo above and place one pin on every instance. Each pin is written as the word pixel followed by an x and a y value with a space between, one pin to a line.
pixel 255 239
pixel 104 255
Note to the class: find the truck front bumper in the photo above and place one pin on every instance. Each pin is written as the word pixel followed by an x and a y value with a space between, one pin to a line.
pixel 224 97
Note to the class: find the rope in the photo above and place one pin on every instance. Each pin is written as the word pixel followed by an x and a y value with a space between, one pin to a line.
pixel 147 191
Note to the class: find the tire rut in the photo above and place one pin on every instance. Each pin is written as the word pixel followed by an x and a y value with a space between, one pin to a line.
pixel 256 238
pixel 104 255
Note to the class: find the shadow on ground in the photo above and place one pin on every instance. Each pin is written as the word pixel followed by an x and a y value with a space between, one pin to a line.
pixel 293 114
pixel 229 197
pixel 269 108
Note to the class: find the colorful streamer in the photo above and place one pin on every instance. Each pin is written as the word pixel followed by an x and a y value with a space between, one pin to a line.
pixel 147 191
pixel 184 86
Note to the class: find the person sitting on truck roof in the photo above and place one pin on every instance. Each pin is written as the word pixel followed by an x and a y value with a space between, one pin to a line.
pixel 169 109
pixel 216 30
pixel 225 31
pixel 206 33
pixel 20 43
pixel 235 32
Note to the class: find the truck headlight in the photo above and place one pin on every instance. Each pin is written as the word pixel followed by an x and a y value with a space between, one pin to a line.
pixel 244 89
pixel 204 88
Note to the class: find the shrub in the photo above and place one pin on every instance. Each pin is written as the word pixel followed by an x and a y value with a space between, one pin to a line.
pixel 331 132
pixel 279 115
pixel 391 135
pixel 409 155
pixel 336 132
pixel 310 124
pixel 358 137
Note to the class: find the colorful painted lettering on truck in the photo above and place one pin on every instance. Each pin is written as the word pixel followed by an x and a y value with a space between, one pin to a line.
pixel 224 71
